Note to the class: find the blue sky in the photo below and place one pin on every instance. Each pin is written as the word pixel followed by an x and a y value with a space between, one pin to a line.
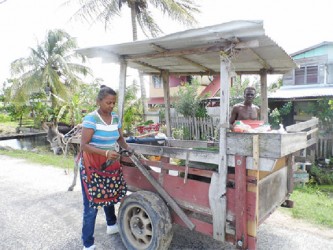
pixel 294 25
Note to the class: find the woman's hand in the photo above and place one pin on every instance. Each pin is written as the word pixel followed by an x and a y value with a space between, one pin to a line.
pixel 112 155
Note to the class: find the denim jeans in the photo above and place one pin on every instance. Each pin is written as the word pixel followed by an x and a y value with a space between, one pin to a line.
pixel 89 219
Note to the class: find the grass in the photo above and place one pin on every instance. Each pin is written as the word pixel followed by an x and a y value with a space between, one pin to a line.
pixel 8 128
pixel 42 157
pixel 313 204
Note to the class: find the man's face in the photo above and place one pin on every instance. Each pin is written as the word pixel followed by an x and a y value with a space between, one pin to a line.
pixel 249 95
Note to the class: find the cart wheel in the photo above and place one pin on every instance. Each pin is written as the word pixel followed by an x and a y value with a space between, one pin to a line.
pixel 145 222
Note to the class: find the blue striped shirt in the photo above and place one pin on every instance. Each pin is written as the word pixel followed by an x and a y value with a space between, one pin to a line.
pixel 105 136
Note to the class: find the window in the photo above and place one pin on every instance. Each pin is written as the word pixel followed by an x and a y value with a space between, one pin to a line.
pixel 312 74
pixel 306 75
pixel 299 75
pixel 157 82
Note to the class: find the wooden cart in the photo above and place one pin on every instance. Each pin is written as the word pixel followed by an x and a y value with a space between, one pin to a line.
pixel 224 193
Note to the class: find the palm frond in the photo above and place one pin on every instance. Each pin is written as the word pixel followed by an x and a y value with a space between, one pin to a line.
pixel 182 11
pixel 148 24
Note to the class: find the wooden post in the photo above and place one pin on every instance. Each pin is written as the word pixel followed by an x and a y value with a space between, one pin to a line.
pixel 217 188
pixel 122 89
pixel 240 201
pixel 252 226
pixel 166 90
pixel 264 99
pixel 224 113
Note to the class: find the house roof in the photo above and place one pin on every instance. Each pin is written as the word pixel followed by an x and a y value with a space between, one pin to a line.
pixel 302 92
pixel 212 89
pixel 197 51
pixel 311 48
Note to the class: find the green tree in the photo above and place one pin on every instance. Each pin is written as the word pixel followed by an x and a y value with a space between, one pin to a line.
pixel 323 109
pixel 52 67
pixel 237 90
pixel 276 115
pixel 133 110
pixel 187 101
pixel 82 101
pixel 105 10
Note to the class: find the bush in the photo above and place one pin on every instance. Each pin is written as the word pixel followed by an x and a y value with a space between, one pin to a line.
pixel 321 176
pixel 4 118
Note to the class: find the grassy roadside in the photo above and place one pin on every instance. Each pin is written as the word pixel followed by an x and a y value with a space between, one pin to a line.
pixel 313 204
pixel 42 157
pixel 8 128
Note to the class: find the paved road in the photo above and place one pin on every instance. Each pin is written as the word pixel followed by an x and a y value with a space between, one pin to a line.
pixel 36 212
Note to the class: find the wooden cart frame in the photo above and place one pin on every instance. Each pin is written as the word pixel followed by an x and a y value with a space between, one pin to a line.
pixel 253 174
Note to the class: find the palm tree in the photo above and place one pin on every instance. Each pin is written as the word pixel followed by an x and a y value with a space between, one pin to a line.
pixel 105 10
pixel 51 67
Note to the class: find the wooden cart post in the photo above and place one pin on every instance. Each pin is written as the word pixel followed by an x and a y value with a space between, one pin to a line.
pixel 217 189
pixel 122 89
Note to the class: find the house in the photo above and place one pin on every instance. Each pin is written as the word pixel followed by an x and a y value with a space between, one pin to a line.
pixel 304 86
pixel 312 81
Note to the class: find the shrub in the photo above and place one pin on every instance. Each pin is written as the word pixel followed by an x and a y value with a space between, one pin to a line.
pixel 4 118
pixel 321 176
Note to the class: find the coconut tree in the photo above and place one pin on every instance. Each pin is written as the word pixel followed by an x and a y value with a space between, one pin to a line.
pixel 104 11
pixel 52 67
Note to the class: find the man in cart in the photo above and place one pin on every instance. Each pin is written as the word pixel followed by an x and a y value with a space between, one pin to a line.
pixel 245 110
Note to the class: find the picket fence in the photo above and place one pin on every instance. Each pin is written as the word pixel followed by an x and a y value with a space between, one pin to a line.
pixel 207 129
pixel 324 147
pixel 195 128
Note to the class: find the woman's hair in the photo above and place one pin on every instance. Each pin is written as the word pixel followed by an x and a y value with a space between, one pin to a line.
pixel 104 91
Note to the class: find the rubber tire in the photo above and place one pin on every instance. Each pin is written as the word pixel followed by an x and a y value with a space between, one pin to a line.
pixel 144 222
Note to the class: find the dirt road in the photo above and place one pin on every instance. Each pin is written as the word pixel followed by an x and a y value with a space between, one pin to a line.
pixel 38 213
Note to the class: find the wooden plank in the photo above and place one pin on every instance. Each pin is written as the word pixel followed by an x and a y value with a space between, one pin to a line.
pixel 192 194
pixel 263 96
pixel 270 145
pixel 312 131
pixel 122 88
pixel 252 225
pixel 218 204
pixel 273 191
pixel 250 204
pixel 166 91
pixel 240 200
pixel 266 164
pixel 302 125
pixel 191 143
pixel 311 142
pixel 178 153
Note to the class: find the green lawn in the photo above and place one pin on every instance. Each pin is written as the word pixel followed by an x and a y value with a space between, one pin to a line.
pixel 42 157
pixel 313 204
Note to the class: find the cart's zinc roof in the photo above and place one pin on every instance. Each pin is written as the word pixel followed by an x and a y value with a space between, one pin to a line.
pixel 197 51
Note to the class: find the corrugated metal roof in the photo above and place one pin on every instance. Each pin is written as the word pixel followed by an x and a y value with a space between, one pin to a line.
pixel 311 48
pixel 302 91
pixel 197 51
